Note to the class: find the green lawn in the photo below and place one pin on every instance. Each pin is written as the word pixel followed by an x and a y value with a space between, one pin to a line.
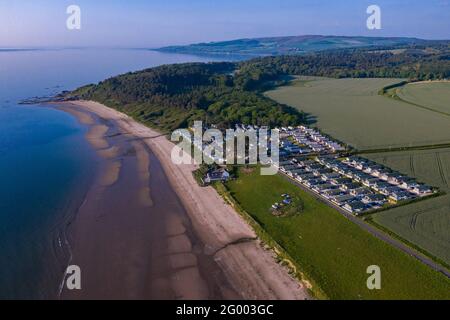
pixel 331 250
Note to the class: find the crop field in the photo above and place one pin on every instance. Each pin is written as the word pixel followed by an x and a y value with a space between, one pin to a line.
pixel 433 95
pixel 333 251
pixel 426 223
pixel 352 111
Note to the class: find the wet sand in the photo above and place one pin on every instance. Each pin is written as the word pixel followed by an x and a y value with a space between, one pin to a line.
pixel 146 230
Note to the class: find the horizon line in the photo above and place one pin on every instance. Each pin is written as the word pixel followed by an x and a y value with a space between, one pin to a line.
pixel 62 47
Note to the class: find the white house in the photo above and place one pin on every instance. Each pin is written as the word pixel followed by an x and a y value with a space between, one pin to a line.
pixel 217 175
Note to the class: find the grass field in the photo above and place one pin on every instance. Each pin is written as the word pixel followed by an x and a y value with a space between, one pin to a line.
pixel 330 249
pixel 352 111
pixel 426 223
pixel 433 95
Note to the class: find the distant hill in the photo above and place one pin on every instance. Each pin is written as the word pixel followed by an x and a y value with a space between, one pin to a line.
pixel 293 45
pixel 228 93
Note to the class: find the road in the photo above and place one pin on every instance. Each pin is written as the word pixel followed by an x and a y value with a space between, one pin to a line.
pixel 375 231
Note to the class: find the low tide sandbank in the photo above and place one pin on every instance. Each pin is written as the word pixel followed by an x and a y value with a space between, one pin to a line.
pixel 147 230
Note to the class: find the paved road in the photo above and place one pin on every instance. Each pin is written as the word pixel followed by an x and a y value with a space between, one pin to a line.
pixel 375 231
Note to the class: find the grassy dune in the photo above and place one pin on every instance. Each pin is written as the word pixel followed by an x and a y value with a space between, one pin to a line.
pixel 331 250
pixel 352 111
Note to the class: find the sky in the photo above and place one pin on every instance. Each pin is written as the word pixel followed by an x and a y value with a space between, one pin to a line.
pixel 156 23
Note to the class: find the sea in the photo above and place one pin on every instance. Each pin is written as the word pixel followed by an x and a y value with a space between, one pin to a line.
pixel 46 165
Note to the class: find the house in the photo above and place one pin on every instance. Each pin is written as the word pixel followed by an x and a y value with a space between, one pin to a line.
pixel 387 190
pixel 350 186
pixel 304 177
pixel 340 180
pixel 361 166
pixel 358 163
pixel 384 175
pixel 374 198
pixel 282 163
pixel 347 161
pixel 408 185
pixel 361 176
pixel 355 207
pixel 319 172
pixel 283 154
pixel 397 179
pixel 324 187
pixel 305 163
pixel 292 149
pixel 217 175
pixel 380 184
pixel 288 167
pixel 298 171
pixel 328 176
pixel 313 166
pixel 379 172
pixel 369 181
pixel 360 192
pixel 373 168
pixel 336 167
pixel 422 190
pixel 352 172
pixel 400 195
pixel 335 147
pixel 313 182
pixel 333 193
pixel 304 150
pixel 342 199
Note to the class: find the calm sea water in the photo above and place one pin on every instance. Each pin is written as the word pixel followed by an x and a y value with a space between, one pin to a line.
pixel 45 163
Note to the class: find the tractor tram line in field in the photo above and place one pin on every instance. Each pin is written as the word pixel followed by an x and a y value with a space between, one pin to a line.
pixel 403 148
pixel 396 134
pixel 352 185
pixel 441 171
pixel 376 232
pixel 411 164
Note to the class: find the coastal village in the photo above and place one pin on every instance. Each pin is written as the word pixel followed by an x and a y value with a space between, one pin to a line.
pixel 352 183
pixel 324 167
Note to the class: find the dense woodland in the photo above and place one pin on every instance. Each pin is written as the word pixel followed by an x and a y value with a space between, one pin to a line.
pixel 414 63
pixel 173 96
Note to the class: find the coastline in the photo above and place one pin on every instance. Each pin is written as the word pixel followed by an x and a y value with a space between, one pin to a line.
pixel 212 238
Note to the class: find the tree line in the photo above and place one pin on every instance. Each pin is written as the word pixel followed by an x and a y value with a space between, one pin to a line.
pixel 228 93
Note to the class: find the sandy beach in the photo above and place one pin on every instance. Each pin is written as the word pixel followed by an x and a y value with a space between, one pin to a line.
pixel 147 230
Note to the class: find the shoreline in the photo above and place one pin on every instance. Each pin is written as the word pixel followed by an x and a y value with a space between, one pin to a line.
pixel 248 269
pixel 131 239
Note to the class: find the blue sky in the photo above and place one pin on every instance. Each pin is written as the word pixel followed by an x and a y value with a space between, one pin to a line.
pixel 153 23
